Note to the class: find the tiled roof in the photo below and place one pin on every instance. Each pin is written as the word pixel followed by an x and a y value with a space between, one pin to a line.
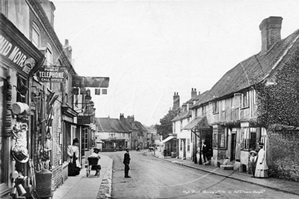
pixel 203 97
pixel 111 125
pixel 182 115
pixel 250 71
pixel 141 128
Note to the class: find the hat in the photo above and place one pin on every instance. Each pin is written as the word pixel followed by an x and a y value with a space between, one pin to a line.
pixel 75 140
pixel 253 152
pixel 261 144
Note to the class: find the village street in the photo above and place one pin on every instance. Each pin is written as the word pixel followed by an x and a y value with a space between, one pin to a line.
pixel 152 177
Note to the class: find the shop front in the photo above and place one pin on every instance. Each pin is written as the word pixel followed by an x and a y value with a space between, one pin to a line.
pixel 19 58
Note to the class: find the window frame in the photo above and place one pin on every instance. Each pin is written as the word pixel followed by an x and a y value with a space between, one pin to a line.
pixel 215 107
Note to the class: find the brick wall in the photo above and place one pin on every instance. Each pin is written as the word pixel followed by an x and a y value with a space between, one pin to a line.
pixel 283 154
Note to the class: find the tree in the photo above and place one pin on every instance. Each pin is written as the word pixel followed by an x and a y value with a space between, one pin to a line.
pixel 165 126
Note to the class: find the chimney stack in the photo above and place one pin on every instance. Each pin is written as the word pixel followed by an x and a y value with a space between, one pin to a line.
pixel 130 119
pixel 49 9
pixel 270 32
pixel 193 93
pixel 68 50
pixel 176 101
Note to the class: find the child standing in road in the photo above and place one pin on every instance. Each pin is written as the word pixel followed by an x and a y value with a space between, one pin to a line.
pixel 252 161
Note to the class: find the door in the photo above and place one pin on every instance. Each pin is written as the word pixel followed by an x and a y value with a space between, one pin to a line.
pixel 233 146
pixel 184 148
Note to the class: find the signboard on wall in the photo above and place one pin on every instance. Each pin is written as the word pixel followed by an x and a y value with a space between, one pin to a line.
pixel 96 82
pixel 51 74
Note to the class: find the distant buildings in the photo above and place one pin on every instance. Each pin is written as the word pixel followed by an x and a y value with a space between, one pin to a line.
pixel 113 134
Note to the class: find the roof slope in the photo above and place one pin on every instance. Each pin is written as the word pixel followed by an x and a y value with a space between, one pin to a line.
pixel 111 125
pixel 182 115
pixel 252 70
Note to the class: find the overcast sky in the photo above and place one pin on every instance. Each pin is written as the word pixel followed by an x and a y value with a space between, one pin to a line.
pixel 151 49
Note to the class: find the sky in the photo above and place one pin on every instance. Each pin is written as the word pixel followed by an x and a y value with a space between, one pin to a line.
pixel 152 48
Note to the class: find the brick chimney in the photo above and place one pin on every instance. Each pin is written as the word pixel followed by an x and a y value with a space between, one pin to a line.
pixel 49 9
pixel 122 116
pixel 270 32
pixel 193 93
pixel 130 119
pixel 176 101
pixel 68 50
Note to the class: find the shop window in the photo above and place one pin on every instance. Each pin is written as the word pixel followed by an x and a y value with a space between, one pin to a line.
pixel 21 89
pixel 249 138
pixel 219 138
pixel 215 140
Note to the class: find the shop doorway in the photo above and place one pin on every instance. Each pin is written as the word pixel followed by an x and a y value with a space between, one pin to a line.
pixel 233 145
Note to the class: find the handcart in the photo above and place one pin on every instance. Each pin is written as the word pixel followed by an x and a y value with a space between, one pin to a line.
pixel 92 165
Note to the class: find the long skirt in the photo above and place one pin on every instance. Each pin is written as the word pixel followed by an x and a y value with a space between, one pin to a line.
pixel 261 171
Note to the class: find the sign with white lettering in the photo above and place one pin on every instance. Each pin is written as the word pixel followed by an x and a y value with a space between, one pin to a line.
pixel 51 74
pixel 15 54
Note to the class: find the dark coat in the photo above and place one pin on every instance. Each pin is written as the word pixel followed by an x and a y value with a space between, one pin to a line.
pixel 126 158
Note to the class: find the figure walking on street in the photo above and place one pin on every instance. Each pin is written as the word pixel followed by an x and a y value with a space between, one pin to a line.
pixel 126 162
pixel 73 158
pixel 261 170
pixel 97 167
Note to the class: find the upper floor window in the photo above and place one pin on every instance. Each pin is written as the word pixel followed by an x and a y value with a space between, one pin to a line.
pixel 49 55
pixel 35 37
pixel 245 100
pixel 203 110
pixel 215 107
pixel 180 125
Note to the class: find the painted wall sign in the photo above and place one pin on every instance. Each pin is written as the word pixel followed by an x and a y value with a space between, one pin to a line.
pixel 51 74
pixel 15 54
pixel 83 81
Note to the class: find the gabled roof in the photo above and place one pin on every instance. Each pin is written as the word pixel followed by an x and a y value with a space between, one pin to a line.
pixel 111 125
pixel 141 128
pixel 252 70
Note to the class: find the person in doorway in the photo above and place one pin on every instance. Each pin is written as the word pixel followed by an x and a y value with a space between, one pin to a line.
pixel 97 167
pixel 204 151
pixel 261 170
pixel 252 162
pixel 73 156
pixel 126 162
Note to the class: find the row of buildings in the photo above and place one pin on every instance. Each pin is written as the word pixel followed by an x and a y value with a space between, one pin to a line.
pixel 255 101
pixel 44 103
pixel 113 134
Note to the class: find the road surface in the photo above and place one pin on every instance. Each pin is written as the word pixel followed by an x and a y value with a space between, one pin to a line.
pixel 156 178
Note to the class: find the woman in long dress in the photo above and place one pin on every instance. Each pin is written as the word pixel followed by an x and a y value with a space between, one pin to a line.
pixel 73 154
pixel 261 170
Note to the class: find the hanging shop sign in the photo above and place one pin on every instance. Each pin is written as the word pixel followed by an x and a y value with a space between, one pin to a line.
pixel 83 81
pixel 51 74
pixel 16 50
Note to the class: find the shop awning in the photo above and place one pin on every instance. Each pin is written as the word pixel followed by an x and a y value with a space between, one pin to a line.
pixel 197 123
pixel 168 139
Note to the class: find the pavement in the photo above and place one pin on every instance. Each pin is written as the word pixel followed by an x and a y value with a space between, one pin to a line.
pixel 93 187
pixel 271 183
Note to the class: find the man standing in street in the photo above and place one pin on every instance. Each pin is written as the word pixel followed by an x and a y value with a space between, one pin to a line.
pixel 126 162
